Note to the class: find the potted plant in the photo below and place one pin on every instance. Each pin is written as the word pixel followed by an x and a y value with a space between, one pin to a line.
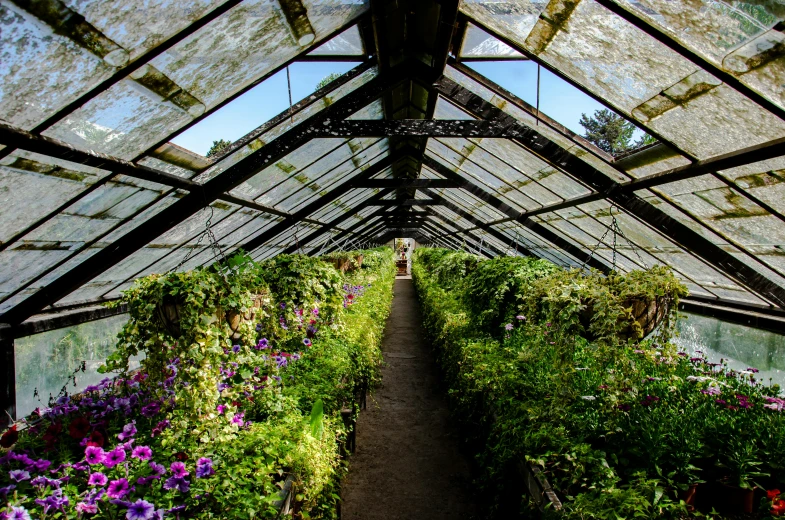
pixel 739 460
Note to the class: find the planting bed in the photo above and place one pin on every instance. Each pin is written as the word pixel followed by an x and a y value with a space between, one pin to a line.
pixel 241 409
pixel 548 369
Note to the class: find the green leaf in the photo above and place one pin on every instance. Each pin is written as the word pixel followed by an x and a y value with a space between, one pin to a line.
pixel 317 419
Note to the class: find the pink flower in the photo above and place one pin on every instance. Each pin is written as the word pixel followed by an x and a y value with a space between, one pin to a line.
pixel 117 488
pixel 178 469
pixel 142 453
pixel 94 455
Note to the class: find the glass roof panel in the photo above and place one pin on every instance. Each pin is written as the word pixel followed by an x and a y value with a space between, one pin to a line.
pixel 216 62
pixel 716 122
pixel 731 34
pixel 62 71
pixel 347 43
pixel 34 185
pixel 479 44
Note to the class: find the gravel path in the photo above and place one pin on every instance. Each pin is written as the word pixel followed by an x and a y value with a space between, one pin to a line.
pixel 407 464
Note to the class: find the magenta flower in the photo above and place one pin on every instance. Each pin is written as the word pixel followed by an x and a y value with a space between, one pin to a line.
pixel 97 479
pixel 86 508
pixel 178 469
pixel 94 455
pixel 117 488
pixel 114 457
pixel 158 469
pixel 221 408
pixel 140 510
pixel 142 453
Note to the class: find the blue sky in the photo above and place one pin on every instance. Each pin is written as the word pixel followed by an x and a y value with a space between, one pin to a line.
pixel 558 99
pixel 258 105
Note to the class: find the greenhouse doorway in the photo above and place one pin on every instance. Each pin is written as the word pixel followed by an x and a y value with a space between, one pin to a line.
pixel 404 247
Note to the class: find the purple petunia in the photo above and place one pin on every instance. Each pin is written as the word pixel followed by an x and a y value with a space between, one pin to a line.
pixel 221 408
pixel 178 483
pixel 204 467
pixel 178 469
pixel 306 342
pixel 19 475
pixel 151 409
pixel 114 457
pixel 129 430
pixel 97 479
pixel 142 453
pixel 118 488
pixel 263 344
pixel 7 489
pixel 238 418
pixel 236 349
pixel 158 469
pixel 140 510
pixel 18 513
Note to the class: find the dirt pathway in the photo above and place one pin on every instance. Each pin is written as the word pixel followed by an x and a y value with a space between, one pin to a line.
pixel 407 464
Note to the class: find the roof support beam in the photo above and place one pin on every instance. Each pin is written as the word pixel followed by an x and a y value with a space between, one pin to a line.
pixel 193 202
pixel 319 203
pixel 595 179
pixel 414 128
pixel 406 202
pixel 408 183
pixel 327 227
pixel 471 218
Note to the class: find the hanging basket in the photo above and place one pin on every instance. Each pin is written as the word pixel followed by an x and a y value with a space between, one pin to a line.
pixel 234 319
pixel 169 311
pixel 647 313
pixel 341 264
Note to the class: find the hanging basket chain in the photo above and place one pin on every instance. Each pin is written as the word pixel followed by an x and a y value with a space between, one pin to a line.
pixel 616 230
pixel 213 244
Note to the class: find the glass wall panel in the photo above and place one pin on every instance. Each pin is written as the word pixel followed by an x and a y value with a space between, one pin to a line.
pixel 50 362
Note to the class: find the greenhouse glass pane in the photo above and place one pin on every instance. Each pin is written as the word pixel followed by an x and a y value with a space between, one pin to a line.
pixel 61 70
pixel 356 156
pixel 741 347
pixel 34 185
pixel 708 27
pixel 729 34
pixel 347 43
pixel 717 122
pixel 138 27
pixel 479 44
pixel 195 75
pixel 728 220
pixel 765 180
pixel 51 361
